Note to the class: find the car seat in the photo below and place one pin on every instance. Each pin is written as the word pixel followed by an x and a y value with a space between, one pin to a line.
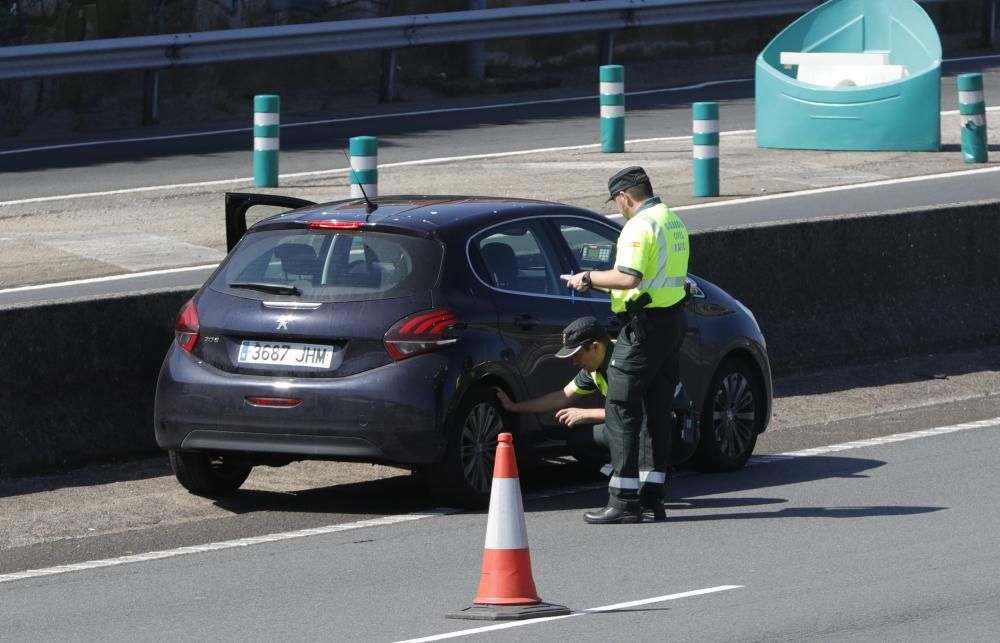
pixel 297 259
pixel 502 264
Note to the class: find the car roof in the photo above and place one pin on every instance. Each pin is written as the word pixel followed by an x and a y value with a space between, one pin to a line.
pixel 431 213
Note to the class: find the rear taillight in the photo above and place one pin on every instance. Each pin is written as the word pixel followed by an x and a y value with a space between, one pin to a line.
pixel 420 333
pixel 280 402
pixel 187 327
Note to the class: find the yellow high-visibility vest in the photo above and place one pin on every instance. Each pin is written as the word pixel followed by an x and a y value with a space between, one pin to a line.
pixel 654 246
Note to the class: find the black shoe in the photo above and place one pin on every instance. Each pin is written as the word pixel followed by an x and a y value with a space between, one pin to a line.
pixel 612 516
pixel 654 513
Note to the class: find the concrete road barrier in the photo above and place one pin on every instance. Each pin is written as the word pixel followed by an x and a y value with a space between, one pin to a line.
pixel 77 378
pixel 844 289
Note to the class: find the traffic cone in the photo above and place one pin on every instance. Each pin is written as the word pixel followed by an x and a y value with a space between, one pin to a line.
pixel 507 588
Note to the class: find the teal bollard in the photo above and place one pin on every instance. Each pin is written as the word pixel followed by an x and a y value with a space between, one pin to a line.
pixel 612 97
pixel 705 148
pixel 266 124
pixel 364 166
pixel 972 117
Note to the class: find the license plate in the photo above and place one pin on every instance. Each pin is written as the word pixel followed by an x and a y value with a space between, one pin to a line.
pixel 286 354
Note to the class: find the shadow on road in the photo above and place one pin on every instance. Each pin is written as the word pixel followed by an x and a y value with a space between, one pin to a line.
pixel 695 493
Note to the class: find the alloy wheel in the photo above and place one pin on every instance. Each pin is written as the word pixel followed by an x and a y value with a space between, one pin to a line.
pixel 733 418
pixel 478 444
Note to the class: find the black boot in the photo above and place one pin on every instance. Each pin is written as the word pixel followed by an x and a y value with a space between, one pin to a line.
pixel 654 512
pixel 612 516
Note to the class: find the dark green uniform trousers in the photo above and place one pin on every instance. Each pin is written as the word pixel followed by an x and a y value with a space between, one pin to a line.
pixel 642 375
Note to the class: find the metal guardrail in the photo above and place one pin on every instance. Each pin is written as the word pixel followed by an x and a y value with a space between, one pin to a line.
pixel 166 51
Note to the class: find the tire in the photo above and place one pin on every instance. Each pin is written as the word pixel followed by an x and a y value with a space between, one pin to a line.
pixel 206 474
pixel 465 475
pixel 731 418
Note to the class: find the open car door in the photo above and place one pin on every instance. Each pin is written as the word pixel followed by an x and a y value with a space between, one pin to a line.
pixel 239 216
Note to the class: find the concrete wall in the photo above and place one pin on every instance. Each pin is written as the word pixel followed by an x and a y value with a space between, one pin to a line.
pixel 863 287
pixel 77 378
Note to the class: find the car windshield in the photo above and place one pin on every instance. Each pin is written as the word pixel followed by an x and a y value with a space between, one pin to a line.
pixel 329 266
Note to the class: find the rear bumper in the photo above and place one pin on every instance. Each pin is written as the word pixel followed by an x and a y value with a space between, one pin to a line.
pixel 389 414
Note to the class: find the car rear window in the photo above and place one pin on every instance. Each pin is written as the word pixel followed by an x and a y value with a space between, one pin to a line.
pixel 329 266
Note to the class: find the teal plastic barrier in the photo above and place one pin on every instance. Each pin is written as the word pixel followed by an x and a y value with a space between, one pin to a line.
pixel 850 103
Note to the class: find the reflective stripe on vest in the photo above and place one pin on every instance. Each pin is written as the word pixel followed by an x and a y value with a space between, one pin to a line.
pixel 664 274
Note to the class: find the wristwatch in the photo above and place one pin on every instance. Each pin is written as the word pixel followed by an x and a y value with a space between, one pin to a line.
pixel 586 279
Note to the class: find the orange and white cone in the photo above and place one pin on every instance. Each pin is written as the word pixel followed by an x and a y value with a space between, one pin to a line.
pixel 507 588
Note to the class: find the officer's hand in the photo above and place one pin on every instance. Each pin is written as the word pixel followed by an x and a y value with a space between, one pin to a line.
pixel 504 400
pixel 571 416
pixel 576 282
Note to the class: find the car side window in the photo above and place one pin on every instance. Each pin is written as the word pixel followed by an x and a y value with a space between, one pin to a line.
pixel 515 258
pixel 593 245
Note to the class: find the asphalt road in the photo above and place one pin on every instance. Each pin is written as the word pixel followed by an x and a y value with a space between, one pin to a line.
pixel 860 518
pixel 882 540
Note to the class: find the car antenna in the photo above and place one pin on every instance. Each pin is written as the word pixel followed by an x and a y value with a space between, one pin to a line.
pixel 369 205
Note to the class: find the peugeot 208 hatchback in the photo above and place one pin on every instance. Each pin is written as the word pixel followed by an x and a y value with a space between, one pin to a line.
pixel 336 332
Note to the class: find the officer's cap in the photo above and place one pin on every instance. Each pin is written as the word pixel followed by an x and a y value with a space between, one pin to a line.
pixel 627 179
pixel 579 332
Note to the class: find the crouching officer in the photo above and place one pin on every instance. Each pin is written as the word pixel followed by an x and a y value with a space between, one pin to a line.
pixel 587 344
pixel 647 292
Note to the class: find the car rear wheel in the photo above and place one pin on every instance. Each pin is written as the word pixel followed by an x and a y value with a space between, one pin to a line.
pixel 207 474
pixel 731 418
pixel 465 475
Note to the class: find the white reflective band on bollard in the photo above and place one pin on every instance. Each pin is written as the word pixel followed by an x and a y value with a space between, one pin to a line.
pixel 371 190
pixel 705 151
pixel 505 500
pixel 612 111
pixel 265 144
pixel 971 97
pixel 266 118
pixel 360 163
pixel 705 127
pixel 979 120
pixel 612 88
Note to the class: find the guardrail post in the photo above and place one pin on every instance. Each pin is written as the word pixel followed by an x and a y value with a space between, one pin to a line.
pixel 612 97
pixel 266 125
pixel 364 166
pixel 705 148
pixel 475 52
pixel 387 83
pixel 990 23
pixel 606 48
pixel 972 118
pixel 150 97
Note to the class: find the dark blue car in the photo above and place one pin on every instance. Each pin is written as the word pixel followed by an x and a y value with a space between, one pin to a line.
pixel 331 332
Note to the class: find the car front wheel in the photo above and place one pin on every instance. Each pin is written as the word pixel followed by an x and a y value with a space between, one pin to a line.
pixel 207 474
pixel 465 475
pixel 731 418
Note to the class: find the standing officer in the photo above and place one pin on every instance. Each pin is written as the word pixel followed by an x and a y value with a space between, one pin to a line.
pixel 647 293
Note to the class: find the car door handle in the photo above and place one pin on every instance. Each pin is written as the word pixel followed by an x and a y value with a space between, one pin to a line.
pixel 525 322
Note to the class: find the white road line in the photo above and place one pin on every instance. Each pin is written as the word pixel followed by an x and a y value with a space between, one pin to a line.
pixel 592 610
pixel 97 280
pixel 873 442
pixel 229 544
pixel 837 188
pixel 391 520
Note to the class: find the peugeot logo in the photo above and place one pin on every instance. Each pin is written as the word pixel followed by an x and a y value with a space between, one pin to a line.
pixel 283 322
